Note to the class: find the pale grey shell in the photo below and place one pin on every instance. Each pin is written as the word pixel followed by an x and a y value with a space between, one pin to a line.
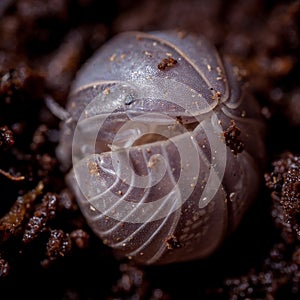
pixel 170 199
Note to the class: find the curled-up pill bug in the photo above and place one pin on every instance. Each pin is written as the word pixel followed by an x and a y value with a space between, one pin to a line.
pixel 164 147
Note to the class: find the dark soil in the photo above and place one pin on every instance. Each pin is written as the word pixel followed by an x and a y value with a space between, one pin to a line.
pixel 47 251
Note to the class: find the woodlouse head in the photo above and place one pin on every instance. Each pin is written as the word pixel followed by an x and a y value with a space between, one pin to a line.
pixel 165 145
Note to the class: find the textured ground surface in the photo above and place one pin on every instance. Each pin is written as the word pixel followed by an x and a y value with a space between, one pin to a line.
pixel 46 249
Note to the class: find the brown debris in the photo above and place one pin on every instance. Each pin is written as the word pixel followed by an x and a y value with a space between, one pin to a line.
pixel 4 268
pixel 80 238
pixel 290 199
pixel 231 135
pixel 279 273
pixel 11 177
pixel 44 212
pixel 172 243
pixel 134 284
pixel 20 78
pixel 39 137
pixel 216 95
pixel 284 182
pixel 167 63
pixel 58 245
pixel 6 138
pixel 11 222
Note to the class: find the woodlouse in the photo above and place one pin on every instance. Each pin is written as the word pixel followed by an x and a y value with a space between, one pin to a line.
pixel 165 146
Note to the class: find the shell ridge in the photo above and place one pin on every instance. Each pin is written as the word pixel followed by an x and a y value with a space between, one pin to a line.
pixel 182 54
pixel 176 215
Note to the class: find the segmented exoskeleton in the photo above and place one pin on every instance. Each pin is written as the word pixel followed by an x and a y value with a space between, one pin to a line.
pixel 165 146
